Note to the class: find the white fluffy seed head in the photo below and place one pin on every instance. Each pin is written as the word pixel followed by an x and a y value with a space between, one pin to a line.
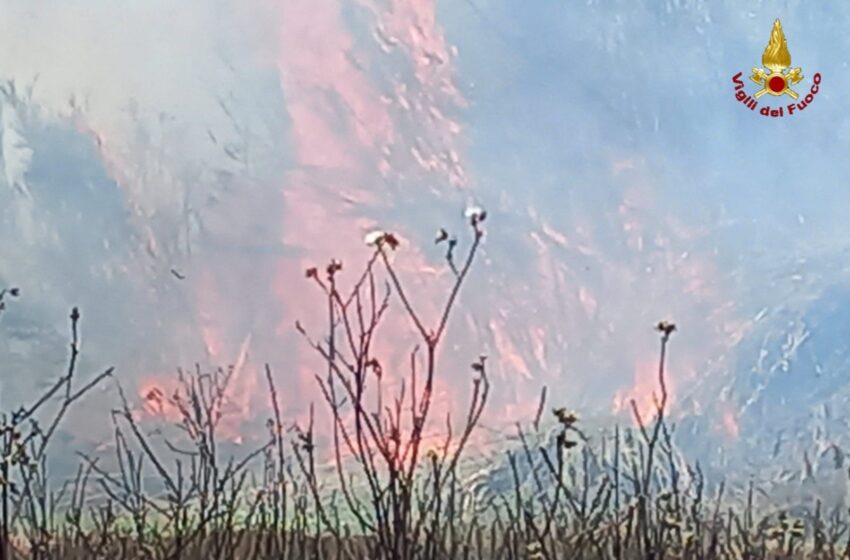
pixel 374 236
pixel 473 212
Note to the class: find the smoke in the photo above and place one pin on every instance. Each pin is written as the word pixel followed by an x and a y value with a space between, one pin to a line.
pixel 17 157
pixel 131 132
pixel 181 168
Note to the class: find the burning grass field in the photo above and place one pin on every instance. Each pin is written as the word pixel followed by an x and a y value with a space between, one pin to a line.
pixel 373 482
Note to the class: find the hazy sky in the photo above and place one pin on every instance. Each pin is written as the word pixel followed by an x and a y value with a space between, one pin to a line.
pixel 240 142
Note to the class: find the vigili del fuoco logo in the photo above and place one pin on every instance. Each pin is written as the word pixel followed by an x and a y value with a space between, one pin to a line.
pixel 776 80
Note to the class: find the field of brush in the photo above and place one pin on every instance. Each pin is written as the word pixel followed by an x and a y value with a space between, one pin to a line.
pixel 379 488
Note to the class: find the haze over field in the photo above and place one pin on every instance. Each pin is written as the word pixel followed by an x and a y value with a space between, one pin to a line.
pixel 174 170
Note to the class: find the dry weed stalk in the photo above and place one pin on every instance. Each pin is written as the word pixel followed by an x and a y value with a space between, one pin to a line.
pixel 626 494
pixel 410 512
pixel 27 501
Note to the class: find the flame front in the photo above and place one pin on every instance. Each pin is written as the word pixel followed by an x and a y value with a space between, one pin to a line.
pixel 570 309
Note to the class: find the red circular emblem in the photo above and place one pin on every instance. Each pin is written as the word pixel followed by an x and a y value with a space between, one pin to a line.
pixel 776 84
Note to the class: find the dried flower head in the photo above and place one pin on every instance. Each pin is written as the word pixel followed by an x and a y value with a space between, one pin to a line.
pixel 377 238
pixel 391 240
pixel 334 267
pixel 665 327
pixel 565 417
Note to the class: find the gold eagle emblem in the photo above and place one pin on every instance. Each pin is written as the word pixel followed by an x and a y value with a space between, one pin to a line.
pixel 776 59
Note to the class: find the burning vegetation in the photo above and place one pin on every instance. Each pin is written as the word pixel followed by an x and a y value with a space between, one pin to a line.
pixel 400 481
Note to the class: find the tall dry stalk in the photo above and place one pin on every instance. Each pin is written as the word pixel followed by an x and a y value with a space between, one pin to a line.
pixel 384 438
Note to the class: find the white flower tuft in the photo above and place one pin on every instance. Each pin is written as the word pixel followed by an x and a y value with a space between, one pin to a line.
pixel 473 212
pixel 373 237
pixel 475 215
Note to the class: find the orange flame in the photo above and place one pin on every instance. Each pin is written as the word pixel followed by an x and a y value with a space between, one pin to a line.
pixel 730 424
pixel 645 392
pixel 339 152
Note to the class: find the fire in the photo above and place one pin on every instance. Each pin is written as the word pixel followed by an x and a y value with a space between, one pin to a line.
pixel 388 134
pixel 645 392
pixel 164 398
pixel 155 394
pixel 358 137
pixel 730 424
